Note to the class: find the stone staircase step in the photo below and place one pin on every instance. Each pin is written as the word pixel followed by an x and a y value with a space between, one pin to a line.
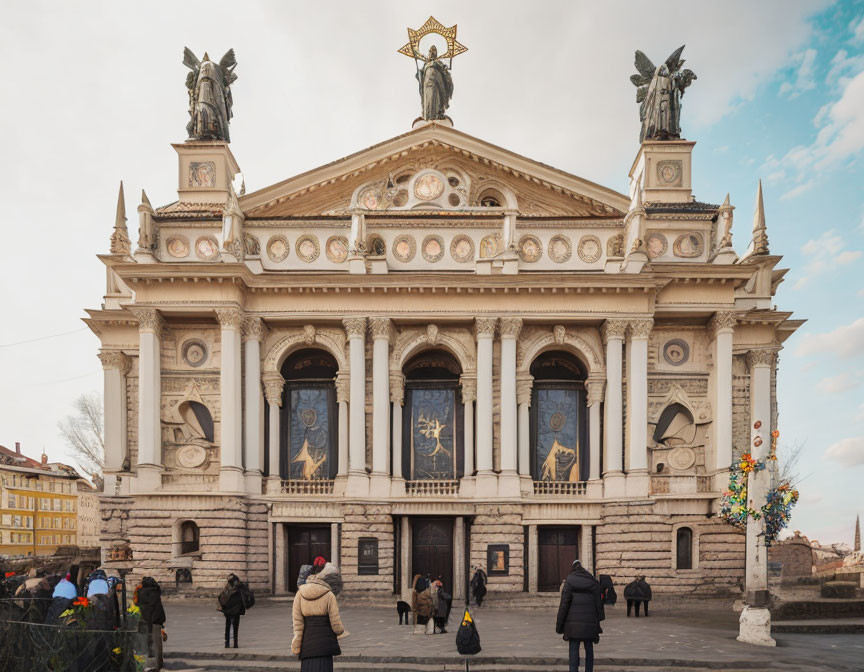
pixel 821 626
pixel 798 610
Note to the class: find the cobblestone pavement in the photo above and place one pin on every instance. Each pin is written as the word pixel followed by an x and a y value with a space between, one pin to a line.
pixel 692 633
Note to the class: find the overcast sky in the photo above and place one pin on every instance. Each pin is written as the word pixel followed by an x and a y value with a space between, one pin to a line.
pixel 94 93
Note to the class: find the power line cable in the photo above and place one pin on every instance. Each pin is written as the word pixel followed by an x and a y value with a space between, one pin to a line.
pixel 43 338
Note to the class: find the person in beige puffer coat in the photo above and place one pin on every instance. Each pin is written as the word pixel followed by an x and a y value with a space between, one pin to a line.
pixel 317 625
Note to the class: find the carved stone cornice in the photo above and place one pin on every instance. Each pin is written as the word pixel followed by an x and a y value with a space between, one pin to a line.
pixel 723 321
pixel 762 356
pixel 230 318
pixel 273 386
pixel 524 385
pixel 614 329
pixel 640 328
pixel 596 388
pixel 149 320
pixel 253 328
pixel 355 327
pixel 343 388
pixel 397 387
pixel 115 359
pixel 380 327
pixel 469 389
pixel 510 327
pixel 485 327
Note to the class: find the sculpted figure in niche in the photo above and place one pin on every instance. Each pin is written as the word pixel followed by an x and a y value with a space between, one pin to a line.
pixel 436 85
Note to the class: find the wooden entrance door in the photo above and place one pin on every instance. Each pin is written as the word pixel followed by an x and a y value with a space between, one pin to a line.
pixel 558 547
pixel 432 549
pixel 305 543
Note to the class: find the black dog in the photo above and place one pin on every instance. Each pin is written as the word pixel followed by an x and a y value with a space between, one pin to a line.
pixel 404 609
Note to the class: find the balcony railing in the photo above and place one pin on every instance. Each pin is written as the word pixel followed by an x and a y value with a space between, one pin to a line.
pixel 560 488
pixel 431 488
pixel 315 487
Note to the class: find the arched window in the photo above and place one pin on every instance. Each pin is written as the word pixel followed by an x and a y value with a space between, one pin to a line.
pixel 675 427
pixel 197 416
pixel 684 548
pixel 308 421
pixel 491 199
pixel 558 426
pixel 432 418
pixel 190 537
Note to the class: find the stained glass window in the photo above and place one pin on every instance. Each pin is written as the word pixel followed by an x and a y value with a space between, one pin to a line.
pixel 432 417
pixel 309 434
pixel 557 434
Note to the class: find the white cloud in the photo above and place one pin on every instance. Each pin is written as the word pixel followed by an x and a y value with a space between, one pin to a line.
pixel 857 27
pixel 849 452
pixel 805 78
pixel 797 191
pixel 842 382
pixel 825 253
pixel 843 66
pixel 859 415
pixel 845 341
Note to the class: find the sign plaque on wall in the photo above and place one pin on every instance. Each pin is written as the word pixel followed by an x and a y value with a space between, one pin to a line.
pixel 498 559
pixel 367 556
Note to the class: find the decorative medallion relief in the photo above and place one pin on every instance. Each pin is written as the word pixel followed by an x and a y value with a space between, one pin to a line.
pixel 428 187
pixel 178 247
pixel 560 249
pixel 682 457
pixel 307 248
pixel 337 249
pixel 688 245
pixel 530 249
pixel 251 245
pixel 206 248
pixel 669 173
pixel 369 199
pixel 404 247
pixel 589 249
pixel 191 456
pixel 194 352
pixel 615 246
pixel 491 246
pixel 433 248
pixel 375 245
pixel 278 248
pixel 202 174
pixel 462 248
pixel 676 352
pixel 656 245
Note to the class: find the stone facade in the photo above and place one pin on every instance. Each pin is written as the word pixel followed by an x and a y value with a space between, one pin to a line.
pixel 265 401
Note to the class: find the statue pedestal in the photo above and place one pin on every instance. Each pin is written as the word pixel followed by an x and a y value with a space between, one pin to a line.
pixel 755 627
pixel 420 122
pixel 662 170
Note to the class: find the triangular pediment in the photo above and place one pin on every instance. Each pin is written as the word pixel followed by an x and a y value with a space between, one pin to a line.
pixel 380 179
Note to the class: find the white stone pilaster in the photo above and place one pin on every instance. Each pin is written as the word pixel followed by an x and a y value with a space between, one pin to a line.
pixel 533 558
pixel 595 397
pixel 613 475
pixel 637 387
pixel 335 545
pixel 405 558
pixel 273 389
pixel 487 482
pixel 723 326
pixel 524 386
pixel 508 480
pixel 230 385
pixel 253 446
pixel 397 398
pixel 379 484
pixel 149 399
pixel 115 366
pixel 358 479
pixel 458 588
pixel 281 558
pixel 469 395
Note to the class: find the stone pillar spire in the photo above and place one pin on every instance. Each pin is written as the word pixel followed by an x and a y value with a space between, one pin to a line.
pixel 857 546
pixel 120 243
pixel 759 244
pixel 146 232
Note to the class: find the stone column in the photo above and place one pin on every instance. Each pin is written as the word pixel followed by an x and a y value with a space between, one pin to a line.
pixel 595 396
pixel 334 545
pixel 253 330
pixel 637 387
pixel 379 484
pixel 508 480
pixel 613 475
pixel 458 558
pixel 358 480
pixel 487 482
pixel 523 399
pixel 586 553
pixel 273 386
pixel 397 397
pixel 723 326
pixel 469 395
pixel 281 558
pixel 343 389
pixel 115 366
pixel 532 560
pixel 755 621
pixel 405 558
pixel 150 327
pixel 230 383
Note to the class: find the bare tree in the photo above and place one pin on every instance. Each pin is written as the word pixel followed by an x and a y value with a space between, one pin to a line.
pixel 84 432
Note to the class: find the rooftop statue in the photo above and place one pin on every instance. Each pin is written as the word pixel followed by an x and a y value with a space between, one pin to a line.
pixel 210 101
pixel 659 91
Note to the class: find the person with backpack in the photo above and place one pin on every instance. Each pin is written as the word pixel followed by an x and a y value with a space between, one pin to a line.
pixel 234 600
pixel 148 597
pixel 579 615
pixel 443 602
pixel 637 593
pixel 317 624
pixel 421 604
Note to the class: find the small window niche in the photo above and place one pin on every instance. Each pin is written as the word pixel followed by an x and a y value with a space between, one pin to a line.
pixel 684 548
pixel 498 559
pixel 190 538
pixel 367 556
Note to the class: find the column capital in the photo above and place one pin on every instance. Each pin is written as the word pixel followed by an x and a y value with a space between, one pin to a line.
pixel 397 387
pixel 230 318
pixel 510 327
pixel 524 385
pixel 640 328
pixel 273 385
pixel 762 356
pixel 614 329
pixel 469 388
pixel 343 387
pixel 723 322
pixel 484 327
pixel 596 388
pixel 380 328
pixel 355 327
pixel 253 328
pixel 149 320
pixel 115 359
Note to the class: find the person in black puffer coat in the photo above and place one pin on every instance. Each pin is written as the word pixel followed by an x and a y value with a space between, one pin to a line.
pixel 579 615
pixel 637 593
pixel 152 617
pixel 232 603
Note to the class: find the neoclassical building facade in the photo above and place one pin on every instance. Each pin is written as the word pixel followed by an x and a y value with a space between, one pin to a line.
pixel 430 355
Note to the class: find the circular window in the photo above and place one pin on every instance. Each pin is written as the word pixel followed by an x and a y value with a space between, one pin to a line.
pixel 676 352
pixel 194 352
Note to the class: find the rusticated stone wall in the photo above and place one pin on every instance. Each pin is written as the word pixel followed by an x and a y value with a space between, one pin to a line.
pixel 499 524
pixel 367 520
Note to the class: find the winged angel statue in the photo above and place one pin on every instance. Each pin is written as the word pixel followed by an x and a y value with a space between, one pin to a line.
pixel 659 91
pixel 210 99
